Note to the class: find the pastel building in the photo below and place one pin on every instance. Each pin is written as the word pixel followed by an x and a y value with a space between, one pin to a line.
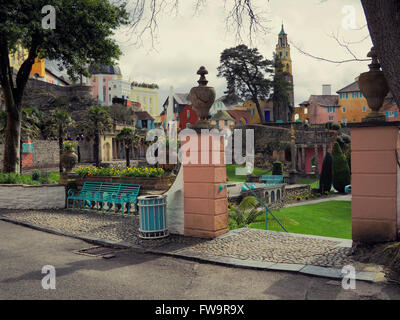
pixel 147 97
pixel 99 80
pixel 318 109
pixel 222 120
pixel 119 89
pixel 353 105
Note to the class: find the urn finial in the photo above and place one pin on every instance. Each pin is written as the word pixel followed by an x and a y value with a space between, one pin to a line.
pixel 202 72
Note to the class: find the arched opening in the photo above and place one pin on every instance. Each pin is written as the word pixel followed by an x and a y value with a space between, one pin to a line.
pixel 272 196
pixel 278 195
pixel 266 197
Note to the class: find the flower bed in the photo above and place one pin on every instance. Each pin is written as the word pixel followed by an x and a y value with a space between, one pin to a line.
pixel 150 179
pixel 112 172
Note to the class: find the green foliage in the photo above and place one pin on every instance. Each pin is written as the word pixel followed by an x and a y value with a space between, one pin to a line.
pixel 333 126
pixel 144 85
pixel 341 171
pixel 112 172
pixel 326 177
pixel 35 175
pixel 245 213
pixel 348 158
pixel 246 72
pixel 277 168
pixel 128 137
pixel 97 121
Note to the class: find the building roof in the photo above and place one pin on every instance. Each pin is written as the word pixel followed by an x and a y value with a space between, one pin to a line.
pixel 282 30
pixel 238 114
pixel 350 88
pixel 230 100
pixel 326 100
pixel 103 69
pixel 222 115
pixel 182 98
pixel 143 115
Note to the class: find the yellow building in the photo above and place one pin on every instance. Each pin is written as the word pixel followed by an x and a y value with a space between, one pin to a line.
pixel 147 97
pixel 353 105
pixel 265 106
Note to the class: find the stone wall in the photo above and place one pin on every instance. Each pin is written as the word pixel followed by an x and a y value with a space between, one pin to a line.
pixel 45 155
pixel 32 197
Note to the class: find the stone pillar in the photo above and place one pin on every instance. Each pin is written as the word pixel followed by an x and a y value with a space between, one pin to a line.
pixel 303 158
pixel 206 207
pixel 324 150
pixel 375 182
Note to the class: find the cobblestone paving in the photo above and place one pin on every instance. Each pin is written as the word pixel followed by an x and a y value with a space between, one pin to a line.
pixel 247 244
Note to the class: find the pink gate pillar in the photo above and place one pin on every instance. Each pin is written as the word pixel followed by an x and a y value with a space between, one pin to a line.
pixel 375 182
pixel 205 206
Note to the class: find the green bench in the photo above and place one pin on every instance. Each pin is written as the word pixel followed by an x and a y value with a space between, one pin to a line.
pixel 270 179
pixel 102 193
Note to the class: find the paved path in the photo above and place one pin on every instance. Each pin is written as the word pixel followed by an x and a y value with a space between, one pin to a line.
pixel 130 275
pixel 346 197
pixel 254 248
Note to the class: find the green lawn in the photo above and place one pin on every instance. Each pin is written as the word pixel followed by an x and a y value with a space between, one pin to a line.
pixel 230 172
pixel 329 219
pixel 311 181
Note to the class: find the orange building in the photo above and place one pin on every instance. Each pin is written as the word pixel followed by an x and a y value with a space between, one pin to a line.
pixel 353 105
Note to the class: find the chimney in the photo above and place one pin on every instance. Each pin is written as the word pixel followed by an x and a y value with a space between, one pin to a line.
pixel 326 89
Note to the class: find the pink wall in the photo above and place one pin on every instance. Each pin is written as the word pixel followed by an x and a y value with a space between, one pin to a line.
pixel 374 183
pixel 309 154
pixel 94 82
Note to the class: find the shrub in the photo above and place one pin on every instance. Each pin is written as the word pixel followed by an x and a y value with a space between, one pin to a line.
pixel 341 171
pixel 325 179
pixel 35 175
pixel 277 168
pixel 298 198
pixel 348 159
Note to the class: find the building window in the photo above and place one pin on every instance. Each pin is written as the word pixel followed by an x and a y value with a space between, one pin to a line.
pixel 361 95
pixel 344 121
pixel 364 109
pixel 225 123
pixel 104 80
pixel 331 118
pixel 344 109
pixel 187 114
pixel 280 54
pixel 151 100
pixel 331 109
pixel 305 110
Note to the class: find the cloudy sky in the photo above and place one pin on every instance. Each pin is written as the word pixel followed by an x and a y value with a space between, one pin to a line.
pixel 185 42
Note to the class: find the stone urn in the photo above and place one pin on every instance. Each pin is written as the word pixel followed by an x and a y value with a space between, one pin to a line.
pixel 202 98
pixel 68 160
pixel 374 87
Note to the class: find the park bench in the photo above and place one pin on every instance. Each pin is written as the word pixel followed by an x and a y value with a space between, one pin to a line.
pixel 102 193
pixel 269 179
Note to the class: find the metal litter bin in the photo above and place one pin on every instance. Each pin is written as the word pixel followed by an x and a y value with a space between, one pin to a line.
pixel 153 217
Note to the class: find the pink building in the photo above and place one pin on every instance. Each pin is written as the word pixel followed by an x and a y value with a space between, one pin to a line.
pixel 390 109
pixel 100 82
pixel 320 109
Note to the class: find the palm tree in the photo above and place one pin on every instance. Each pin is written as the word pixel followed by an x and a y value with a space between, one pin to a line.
pixel 246 212
pixel 57 124
pixel 128 137
pixel 96 122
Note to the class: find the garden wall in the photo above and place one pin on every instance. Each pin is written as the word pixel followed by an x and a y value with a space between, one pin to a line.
pixel 32 197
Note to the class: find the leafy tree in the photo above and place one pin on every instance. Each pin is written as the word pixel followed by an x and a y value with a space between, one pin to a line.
pixel 325 179
pixel 128 137
pixel 31 123
pixel 246 71
pixel 82 36
pixel 96 122
pixel 282 108
pixel 341 171
pixel 348 158
pixel 246 212
pixel 58 123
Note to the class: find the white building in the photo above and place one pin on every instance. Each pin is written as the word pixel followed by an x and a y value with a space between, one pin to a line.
pixel 119 89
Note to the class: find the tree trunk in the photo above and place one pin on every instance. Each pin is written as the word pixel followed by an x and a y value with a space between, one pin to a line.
pixel 383 18
pixel 96 150
pixel 259 110
pixel 12 153
pixel 60 144
pixel 127 155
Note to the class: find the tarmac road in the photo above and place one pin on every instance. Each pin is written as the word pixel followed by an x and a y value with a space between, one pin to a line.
pixel 131 275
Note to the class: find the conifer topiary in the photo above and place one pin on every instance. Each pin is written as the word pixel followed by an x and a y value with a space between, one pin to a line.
pixel 325 179
pixel 341 170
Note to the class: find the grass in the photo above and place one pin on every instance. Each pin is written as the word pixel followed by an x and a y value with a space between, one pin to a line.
pixel 329 219
pixel 230 172
pixel 314 183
